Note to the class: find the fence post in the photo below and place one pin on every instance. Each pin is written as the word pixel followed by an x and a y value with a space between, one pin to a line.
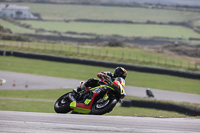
pixel 21 44
pixel 188 64
pixel 18 44
pixel 99 52
pixel 85 50
pixel 37 45
pixel 52 48
pixel 45 47
pixel 69 49
pixel 61 47
pixel 106 53
pixel 196 66
pixel 92 51
pixel 29 45
pixel 78 49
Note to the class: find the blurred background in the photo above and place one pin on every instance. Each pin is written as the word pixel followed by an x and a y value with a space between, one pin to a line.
pixel 160 32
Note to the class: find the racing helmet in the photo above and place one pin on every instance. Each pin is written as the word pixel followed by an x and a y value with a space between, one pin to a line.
pixel 120 72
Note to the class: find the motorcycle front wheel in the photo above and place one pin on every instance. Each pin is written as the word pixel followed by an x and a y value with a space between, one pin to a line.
pixel 62 105
pixel 100 108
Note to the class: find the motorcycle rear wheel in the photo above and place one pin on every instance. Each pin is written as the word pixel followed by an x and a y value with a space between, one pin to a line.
pixel 100 110
pixel 62 105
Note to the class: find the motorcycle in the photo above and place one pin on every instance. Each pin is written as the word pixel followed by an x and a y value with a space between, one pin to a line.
pixel 96 101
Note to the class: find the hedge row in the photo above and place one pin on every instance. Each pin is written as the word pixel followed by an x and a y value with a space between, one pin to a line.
pixel 163 106
pixel 185 74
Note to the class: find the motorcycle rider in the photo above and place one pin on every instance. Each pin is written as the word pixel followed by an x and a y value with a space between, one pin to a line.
pixel 104 76
pixel 109 89
pixel 83 105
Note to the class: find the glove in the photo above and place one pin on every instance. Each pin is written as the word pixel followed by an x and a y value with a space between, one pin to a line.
pixel 104 76
pixel 99 75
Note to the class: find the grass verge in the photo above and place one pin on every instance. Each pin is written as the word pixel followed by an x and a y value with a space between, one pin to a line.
pixel 47 107
pixel 84 72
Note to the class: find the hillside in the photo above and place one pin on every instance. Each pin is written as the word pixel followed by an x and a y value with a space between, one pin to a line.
pixel 163 2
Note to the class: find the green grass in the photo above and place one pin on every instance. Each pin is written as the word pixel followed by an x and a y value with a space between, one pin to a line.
pixel 52 94
pixel 47 107
pixel 69 12
pixel 147 112
pixel 61 12
pixel 84 72
pixel 115 54
pixel 130 30
pixel 196 23
pixel 14 28
pixel 26 106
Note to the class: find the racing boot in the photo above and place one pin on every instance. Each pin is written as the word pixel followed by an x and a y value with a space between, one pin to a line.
pixel 77 90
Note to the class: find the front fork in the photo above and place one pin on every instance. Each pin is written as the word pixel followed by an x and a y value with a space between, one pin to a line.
pixel 71 97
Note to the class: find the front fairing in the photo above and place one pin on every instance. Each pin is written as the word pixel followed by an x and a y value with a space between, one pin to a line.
pixel 84 103
pixel 123 93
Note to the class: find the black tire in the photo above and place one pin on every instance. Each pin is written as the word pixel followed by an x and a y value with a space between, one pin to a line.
pixel 62 105
pixel 109 107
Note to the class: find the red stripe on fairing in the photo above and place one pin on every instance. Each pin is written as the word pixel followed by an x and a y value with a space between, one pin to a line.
pixel 115 82
pixel 81 105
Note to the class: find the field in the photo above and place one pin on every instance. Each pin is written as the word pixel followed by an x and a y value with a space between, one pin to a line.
pixel 148 22
pixel 129 30
pixel 71 12
pixel 14 28
pixel 59 12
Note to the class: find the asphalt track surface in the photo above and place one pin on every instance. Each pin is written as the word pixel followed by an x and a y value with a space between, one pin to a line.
pixel 28 122
pixel 46 82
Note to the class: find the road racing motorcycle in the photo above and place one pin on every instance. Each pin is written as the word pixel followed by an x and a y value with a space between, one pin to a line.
pixel 97 101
